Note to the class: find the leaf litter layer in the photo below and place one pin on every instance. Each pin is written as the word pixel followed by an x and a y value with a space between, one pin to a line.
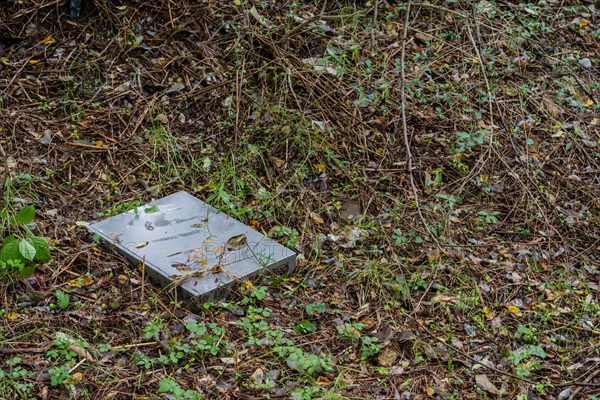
pixel 435 165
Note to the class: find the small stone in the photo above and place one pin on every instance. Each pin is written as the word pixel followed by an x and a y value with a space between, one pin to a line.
pixel 456 343
pixel 237 311
pixel 470 330
pixel 565 394
pixel 257 377
pixel 273 374
pixel 484 287
pixel 162 118
pixel 46 138
pixel 585 63
pixel 311 283
pixel 176 87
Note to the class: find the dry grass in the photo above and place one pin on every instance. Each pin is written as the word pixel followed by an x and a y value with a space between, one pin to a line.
pixel 226 101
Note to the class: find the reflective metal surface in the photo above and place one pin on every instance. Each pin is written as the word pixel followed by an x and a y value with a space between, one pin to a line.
pixel 185 243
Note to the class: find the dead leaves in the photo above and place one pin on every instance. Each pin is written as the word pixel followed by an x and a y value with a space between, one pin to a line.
pixel 236 242
pixel 515 311
pixel 197 256
pixel 485 384
pixel 387 357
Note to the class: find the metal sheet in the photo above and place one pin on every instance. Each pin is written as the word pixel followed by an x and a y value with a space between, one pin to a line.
pixel 183 243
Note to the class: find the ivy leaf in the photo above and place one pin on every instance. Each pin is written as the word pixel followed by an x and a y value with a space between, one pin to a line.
pixel 26 215
pixel 26 249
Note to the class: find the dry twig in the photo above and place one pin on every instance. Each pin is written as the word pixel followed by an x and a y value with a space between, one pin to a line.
pixel 4 176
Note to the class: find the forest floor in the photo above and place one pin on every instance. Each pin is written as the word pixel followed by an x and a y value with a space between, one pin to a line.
pixel 435 166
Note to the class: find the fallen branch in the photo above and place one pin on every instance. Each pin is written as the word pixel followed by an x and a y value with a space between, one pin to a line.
pixel 4 176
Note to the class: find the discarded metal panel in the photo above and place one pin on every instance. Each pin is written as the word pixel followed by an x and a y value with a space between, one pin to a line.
pixel 185 243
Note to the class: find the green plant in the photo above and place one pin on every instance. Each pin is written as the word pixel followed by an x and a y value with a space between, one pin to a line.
pixel 204 341
pixel 171 387
pixel 306 363
pixel 63 299
pixel 63 346
pixel 290 234
pixel 316 308
pixel 527 333
pixel 307 393
pixel 59 374
pixel 259 293
pixel 400 238
pixel 153 328
pixel 120 208
pixel 11 380
pixel 369 347
pixel 490 217
pixel 523 369
pixel 63 351
pixel 466 141
pixel 21 248
pixel 304 327
pixel 451 200
pixel 351 330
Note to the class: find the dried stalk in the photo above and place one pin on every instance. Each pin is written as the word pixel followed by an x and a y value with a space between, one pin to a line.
pixel 4 177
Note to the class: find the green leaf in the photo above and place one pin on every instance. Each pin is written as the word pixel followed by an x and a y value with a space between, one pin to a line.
pixel 152 209
pixel 537 351
pixel 517 356
pixel 304 327
pixel 26 215
pixel 166 386
pixel 26 249
pixel 9 238
pixel 42 250
pixel 10 250
pixel 63 299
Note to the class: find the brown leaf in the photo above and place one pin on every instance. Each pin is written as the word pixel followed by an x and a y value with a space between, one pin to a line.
pixel 316 217
pixel 387 357
pixel 350 210
pixel 81 353
pixel 434 353
pixel 236 242
pixel 443 297
pixel 197 255
pixel 485 384
pixel 257 377
pixel 407 336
